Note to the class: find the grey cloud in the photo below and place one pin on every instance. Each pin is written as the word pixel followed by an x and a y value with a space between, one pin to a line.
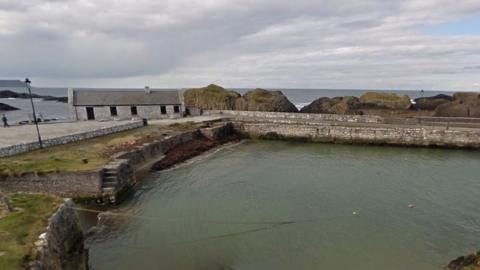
pixel 301 43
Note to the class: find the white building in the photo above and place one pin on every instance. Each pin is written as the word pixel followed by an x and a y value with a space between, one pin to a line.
pixel 119 104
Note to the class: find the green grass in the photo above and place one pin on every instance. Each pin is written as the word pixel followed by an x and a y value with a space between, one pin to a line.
pixel 19 230
pixel 69 157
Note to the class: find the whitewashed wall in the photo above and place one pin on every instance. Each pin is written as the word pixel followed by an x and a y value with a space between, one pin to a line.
pixel 124 112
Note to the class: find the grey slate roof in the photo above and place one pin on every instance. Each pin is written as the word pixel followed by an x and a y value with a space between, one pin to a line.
pixel 125 97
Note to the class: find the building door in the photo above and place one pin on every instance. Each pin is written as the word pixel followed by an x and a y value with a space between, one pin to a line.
pixel 90 113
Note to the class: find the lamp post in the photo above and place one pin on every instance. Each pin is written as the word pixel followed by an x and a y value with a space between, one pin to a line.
pixel 27 83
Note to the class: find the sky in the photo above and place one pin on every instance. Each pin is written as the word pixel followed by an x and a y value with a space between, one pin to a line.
pixel 328 44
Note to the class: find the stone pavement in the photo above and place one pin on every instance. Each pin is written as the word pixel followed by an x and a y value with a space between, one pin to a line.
pixel 27 133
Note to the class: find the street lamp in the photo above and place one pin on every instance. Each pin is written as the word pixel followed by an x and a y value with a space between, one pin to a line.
pixel 27 83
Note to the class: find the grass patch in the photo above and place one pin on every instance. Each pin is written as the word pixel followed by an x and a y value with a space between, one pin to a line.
pixel 19 230
pixel 98 151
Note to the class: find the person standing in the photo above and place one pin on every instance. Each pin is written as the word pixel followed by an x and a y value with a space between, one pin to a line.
pixel 5 121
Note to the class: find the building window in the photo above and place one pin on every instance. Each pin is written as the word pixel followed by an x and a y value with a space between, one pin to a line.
pixel 113 111
pixel 176 109
pixel 133 110
pixel 163 109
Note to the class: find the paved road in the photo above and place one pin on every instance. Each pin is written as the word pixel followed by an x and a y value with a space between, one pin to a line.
pixel 27 133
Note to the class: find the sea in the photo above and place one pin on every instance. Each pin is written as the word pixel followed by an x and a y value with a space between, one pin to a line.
pixel 299 97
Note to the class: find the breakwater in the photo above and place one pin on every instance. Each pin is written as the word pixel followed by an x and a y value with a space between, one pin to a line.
pixel 361 129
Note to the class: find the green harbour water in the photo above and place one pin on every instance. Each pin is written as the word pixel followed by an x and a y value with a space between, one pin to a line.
pixel 288 205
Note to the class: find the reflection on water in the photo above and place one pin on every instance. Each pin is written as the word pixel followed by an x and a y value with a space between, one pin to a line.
pixel 281 205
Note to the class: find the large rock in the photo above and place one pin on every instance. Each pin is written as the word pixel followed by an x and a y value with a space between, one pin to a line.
pixel 377 100
pixel 337 105
pixel 62 244
pixel 265 100
pixel 6 107
pixel 212 97
pixel 469 262
pixel 463 105
pixel 431 103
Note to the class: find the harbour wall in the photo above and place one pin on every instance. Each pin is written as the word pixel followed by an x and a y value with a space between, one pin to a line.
pixel 363 134
pixel 27 147
pixel 298 116
pixel 64 184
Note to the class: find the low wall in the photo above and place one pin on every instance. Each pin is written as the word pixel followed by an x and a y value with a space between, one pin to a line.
pixel 299 116
pixel 373 134
pixel 149 151
pixel 62 243
pixel 128 165
pixel 64 184
pixel 27 147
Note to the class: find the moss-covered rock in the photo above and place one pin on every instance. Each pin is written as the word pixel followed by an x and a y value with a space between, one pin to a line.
pixel 386 100
pixel 463 105
pixel 212 97
pixel 336 105
pixel 265 100
pixel 469 262
pixel 431 103
pixel 321 105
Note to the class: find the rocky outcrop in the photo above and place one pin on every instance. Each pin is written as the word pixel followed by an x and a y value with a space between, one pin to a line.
pixel 368 103
pixel 61 245
pixel 212 97
pixel 6 107
pixel 337 105
pixel 378 100
pixel 463 105
pixel 11 94
pixel 265 101
pixel 469 262
pixel 431 103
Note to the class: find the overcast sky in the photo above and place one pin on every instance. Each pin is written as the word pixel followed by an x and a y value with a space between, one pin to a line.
pixel 355 44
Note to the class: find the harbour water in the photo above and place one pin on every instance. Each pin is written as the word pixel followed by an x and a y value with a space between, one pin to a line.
pixel 289 205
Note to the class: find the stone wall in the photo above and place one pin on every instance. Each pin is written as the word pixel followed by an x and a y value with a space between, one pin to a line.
pixel 128 165
pixel 299 116
pixel 27 147
pixel 62 244
pixel 365 134
pixel 148 151
pixel 65 184
pixel 218 132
